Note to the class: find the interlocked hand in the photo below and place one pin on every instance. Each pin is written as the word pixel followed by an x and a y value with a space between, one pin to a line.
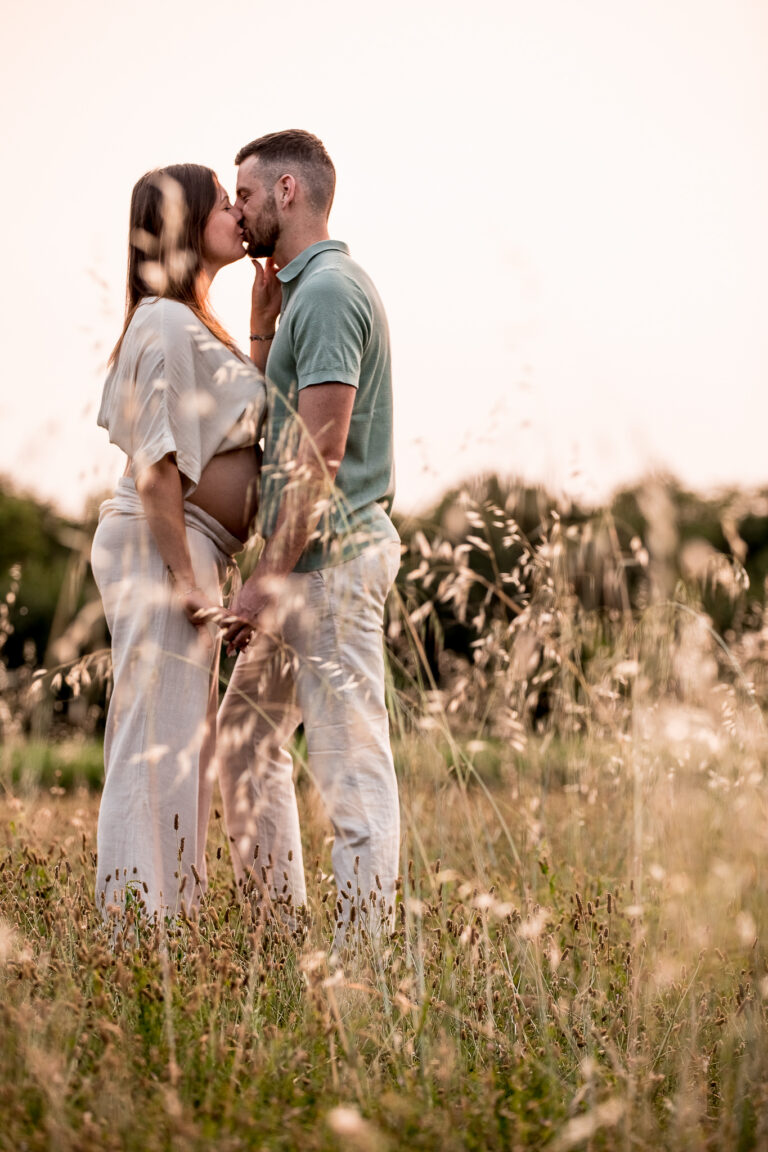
pixel 252 610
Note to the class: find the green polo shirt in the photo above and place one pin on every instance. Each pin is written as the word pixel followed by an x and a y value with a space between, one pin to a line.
pixel 332 330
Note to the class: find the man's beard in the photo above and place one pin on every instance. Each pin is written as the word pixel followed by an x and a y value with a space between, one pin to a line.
pixel 262 242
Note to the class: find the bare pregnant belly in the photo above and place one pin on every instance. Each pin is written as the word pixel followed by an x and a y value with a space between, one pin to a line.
pixel 228 489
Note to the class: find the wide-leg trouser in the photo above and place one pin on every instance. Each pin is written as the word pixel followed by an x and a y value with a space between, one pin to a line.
pixel 324 666
pixel 161 722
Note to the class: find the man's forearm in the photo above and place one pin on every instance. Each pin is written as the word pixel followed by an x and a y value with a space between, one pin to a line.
pixel 324 412
pixel 301 507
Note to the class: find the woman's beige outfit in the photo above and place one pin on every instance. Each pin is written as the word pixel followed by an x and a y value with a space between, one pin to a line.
pixel 174 389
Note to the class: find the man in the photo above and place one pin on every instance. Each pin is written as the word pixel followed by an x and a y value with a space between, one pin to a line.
pixel 311 613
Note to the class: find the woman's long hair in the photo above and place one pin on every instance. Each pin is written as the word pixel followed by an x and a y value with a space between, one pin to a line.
pixel 169 210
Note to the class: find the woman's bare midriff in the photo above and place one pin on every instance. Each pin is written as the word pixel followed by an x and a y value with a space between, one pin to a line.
pixel 228 489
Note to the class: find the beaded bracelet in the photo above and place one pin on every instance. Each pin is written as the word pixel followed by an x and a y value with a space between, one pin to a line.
pixel 255 337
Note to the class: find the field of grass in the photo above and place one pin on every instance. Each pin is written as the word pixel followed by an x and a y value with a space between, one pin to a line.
pixel 579 963
pixel 579 960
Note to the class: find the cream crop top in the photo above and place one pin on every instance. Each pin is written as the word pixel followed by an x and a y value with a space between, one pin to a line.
pixel 176 388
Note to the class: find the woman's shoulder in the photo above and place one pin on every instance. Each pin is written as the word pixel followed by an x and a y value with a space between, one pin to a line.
pixel 170 331
pixel 163 315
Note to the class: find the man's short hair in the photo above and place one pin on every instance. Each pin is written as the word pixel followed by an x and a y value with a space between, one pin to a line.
pixel 280 151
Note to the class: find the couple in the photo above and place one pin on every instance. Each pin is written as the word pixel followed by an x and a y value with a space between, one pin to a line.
pixel 189 409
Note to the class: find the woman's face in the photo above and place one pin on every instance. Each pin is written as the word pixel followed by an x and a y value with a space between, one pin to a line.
pixel 222 237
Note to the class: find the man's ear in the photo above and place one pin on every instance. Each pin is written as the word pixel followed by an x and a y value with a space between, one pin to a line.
pixel 285 191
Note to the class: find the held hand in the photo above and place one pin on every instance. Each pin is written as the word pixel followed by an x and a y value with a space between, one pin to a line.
pixel 266 296
pixel 200 611
pixel 252 610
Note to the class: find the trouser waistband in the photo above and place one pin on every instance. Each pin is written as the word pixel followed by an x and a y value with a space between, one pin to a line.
pixel 127 501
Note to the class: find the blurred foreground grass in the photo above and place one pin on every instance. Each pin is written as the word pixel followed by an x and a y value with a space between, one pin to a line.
pixel 579 962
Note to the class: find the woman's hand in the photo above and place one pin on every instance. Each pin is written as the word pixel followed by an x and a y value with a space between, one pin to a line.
pixel 200 611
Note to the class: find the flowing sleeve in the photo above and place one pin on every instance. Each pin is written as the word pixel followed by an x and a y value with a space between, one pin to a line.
pixel 151 405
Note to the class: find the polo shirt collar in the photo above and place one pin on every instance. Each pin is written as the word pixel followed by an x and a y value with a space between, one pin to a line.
pixel 299 263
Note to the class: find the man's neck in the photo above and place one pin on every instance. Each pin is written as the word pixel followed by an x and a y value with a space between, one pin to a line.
pixel 290 246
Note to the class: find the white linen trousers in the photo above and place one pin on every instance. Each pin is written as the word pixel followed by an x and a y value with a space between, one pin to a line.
pixel 160 729
pixel 323 665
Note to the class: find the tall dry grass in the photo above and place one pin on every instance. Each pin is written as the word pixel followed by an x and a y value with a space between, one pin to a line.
pixel 578 960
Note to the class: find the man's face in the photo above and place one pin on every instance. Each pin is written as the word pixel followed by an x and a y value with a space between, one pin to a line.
pixel 257 208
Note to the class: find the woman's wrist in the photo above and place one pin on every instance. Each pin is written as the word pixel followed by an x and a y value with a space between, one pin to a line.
pixel 263 322
pixel 183 582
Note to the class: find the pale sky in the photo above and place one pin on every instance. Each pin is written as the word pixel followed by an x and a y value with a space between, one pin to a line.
pixel 564 204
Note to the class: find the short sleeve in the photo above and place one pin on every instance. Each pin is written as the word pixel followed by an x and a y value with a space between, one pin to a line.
pixel 331 329
pixel 154 408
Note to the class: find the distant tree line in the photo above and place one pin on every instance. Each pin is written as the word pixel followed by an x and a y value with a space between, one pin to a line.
pixel 649 540
pixel 471 562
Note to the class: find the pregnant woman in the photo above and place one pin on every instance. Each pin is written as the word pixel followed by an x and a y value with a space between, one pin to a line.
pixel 187 408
